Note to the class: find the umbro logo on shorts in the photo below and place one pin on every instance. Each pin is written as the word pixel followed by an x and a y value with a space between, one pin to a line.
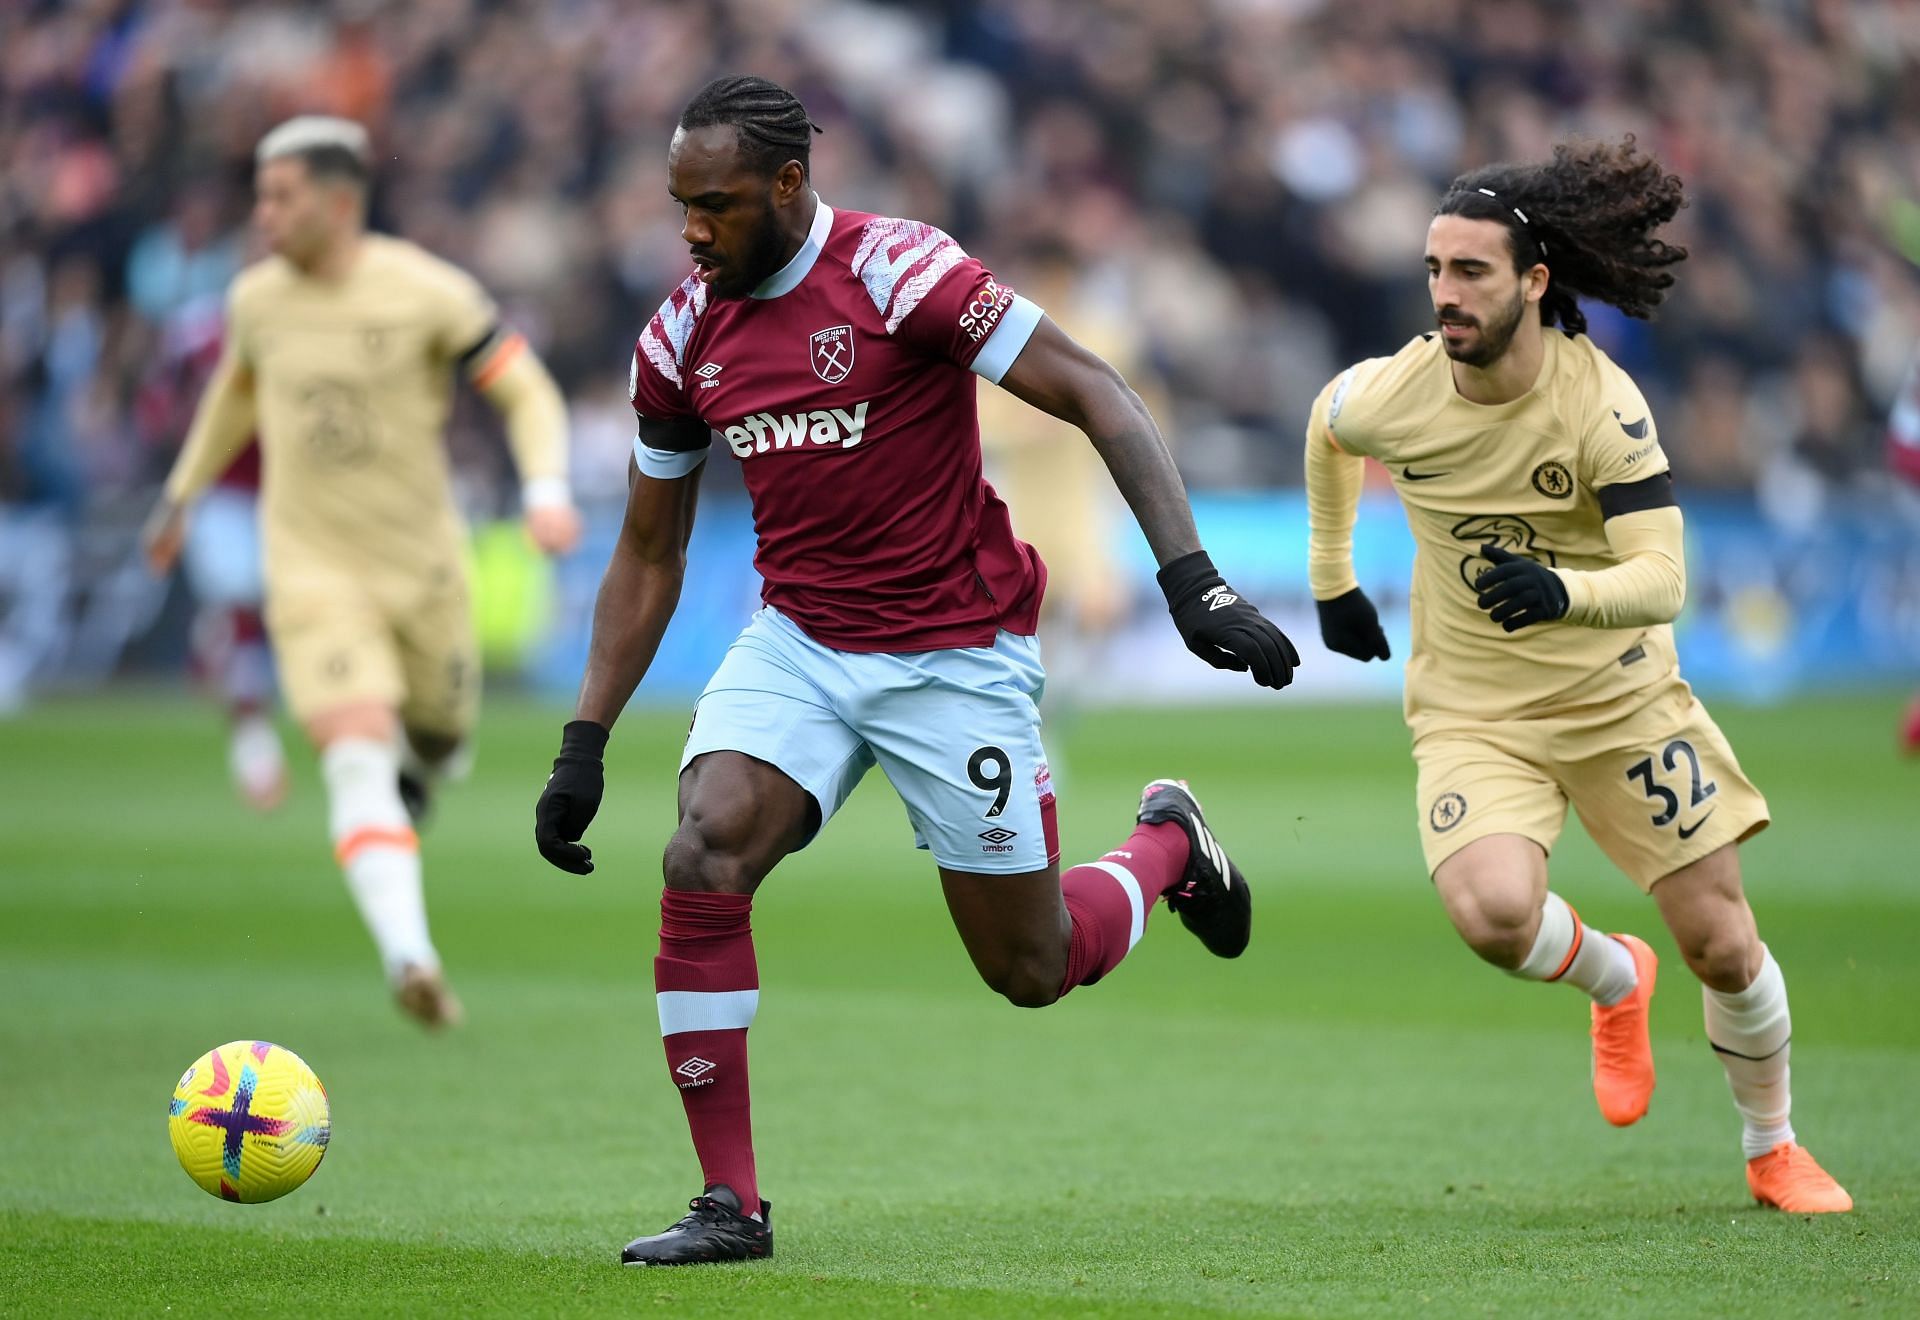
pixel 998 839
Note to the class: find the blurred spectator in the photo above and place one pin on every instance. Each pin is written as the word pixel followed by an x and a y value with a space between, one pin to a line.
pixel 1243 183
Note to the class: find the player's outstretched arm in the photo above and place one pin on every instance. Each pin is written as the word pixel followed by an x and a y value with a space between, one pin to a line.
pixel 1348 622
pixel 637 599
pixel 1059 376
pixel 222 425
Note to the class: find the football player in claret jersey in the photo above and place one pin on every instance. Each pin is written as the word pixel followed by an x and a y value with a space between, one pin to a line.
pixel 832 353
pixel 341 349
pixel 1549 567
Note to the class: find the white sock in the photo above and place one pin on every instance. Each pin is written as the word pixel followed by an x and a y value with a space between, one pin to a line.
pixel 376 847
pixel 1570 951
pixel 1752 1032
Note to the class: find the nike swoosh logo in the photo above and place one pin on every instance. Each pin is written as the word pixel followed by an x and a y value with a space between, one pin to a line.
pixel 1411 475
pixel 1687 832
pixel 1635 430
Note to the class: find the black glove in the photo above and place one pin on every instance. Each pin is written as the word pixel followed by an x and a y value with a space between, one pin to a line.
pixel 1350 625
pixel 571 797
pixel 1220 627
pixel 1518 592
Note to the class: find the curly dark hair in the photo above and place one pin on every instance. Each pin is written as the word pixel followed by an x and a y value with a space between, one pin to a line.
pixel 772 124
pixel 1588 215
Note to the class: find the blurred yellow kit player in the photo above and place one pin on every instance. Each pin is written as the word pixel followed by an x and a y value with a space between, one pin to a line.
pixel 1549 568
pixel 341 350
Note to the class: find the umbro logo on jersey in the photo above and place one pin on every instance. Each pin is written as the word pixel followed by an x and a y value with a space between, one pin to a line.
pixel 1218 598
pixel 1635 430
pixel 825 426
pixel 707 374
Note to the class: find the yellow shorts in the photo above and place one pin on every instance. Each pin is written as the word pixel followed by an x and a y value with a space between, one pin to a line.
pixel 338 645
pixel 1651 776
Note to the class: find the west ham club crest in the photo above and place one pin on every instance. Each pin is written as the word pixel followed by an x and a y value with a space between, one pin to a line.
pixel 831 351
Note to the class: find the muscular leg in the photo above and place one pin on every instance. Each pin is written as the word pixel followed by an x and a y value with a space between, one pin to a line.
pixel 1016 930
pixel 1744 1000
pixel 738 818
pixel 1743 994
pixel 1037 935
pixel 1706 909
pixel 1495 892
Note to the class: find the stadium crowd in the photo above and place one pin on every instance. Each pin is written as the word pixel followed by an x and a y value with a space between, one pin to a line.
pixel 1238 188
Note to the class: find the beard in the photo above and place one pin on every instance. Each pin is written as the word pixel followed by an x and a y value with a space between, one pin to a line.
pixel 1491 345
pixel 762 258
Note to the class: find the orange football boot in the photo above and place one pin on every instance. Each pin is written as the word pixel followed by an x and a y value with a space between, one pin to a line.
pixel 1622 1050
pixel 1788 1179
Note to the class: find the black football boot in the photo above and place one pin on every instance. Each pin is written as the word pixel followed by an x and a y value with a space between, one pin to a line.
pixel 1212 897
pixel 714 1230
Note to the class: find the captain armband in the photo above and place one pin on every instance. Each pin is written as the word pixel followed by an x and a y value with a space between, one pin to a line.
pixel 1654 492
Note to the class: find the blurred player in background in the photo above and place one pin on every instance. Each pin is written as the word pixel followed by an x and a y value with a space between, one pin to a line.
pixel 1549 567
pixel 341 350
pixel 1058 494
pixel 831 352
pixel 222 560
pixel 1903 455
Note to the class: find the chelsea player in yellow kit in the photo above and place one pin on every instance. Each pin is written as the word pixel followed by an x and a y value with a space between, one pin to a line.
pixel 341 350
pixel 1549 567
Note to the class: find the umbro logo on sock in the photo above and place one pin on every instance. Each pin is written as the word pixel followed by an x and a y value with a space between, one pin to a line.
pixel 695 1070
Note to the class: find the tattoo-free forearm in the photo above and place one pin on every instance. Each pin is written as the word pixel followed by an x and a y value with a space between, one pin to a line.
pixel 1128 442
pixel 630 615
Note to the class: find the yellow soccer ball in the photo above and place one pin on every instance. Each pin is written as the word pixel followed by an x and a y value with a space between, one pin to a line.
pixel 249 1121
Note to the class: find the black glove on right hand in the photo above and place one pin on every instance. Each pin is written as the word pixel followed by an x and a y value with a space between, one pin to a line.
pixel 1221 627
pixel 571 797
pixel 1350 625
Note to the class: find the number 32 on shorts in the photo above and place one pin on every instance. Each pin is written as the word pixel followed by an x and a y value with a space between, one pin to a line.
pixel 1699 790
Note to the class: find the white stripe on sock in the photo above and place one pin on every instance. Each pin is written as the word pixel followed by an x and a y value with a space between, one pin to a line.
pixel 1134 900
pixel 1756 1026
pixel 706 1010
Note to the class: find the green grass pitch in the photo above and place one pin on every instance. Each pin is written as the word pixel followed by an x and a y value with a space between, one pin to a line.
pixel 1357 1118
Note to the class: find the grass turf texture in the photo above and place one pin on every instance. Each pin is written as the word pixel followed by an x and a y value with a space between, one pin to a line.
pixel 1356 1118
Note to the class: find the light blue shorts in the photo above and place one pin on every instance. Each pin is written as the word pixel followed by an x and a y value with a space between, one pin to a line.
pixel 222 551
pixel 957 732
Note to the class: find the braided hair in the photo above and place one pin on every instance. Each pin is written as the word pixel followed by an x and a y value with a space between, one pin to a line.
pixel 772 125
pixel 1588 215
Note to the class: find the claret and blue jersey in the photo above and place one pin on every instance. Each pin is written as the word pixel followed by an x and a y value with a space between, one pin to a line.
pixel 844 386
